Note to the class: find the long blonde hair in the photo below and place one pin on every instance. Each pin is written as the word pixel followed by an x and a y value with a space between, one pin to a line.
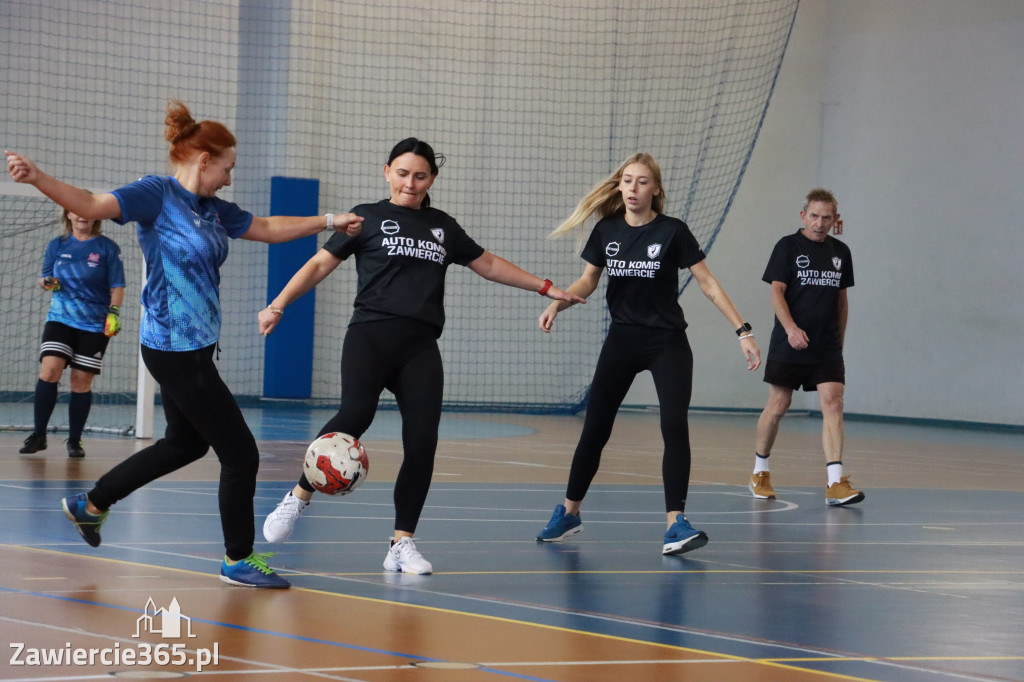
pixel 605 199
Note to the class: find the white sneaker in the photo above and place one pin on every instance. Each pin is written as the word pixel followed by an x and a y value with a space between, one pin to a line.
pixel 281 522
pixel 405 558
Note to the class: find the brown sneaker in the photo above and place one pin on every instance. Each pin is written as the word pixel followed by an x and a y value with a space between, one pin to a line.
pixel 841 493
pixel 761 486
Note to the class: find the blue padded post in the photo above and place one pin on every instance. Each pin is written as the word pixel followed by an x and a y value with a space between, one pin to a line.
pixel 288 359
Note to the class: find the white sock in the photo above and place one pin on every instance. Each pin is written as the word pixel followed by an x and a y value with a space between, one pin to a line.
pixel 835 472
pixel 760 462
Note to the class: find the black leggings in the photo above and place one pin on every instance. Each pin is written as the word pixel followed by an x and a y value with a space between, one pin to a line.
pixel 627 351
pixel 402 356
pixel 201 413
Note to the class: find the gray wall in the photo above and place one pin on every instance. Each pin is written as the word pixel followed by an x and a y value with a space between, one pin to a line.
pixel 911 112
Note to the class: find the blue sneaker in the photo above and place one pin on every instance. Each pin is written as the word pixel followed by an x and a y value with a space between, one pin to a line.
pixel 252 571
pixel 682 537
pixel 87 525
pixel 561 526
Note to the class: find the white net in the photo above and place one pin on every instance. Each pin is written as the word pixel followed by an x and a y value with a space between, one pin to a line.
pixel 532 102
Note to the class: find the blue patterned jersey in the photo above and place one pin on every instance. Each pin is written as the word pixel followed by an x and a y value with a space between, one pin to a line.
pixel 184 240
pixel 87 271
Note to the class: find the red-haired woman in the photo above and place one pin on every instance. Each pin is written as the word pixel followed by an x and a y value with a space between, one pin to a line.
pixel 183 229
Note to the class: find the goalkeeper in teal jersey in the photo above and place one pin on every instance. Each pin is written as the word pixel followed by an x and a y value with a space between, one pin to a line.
pixel 83 271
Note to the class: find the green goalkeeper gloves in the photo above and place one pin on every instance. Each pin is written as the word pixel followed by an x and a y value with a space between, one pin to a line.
pixel 51 284
pixel 113 323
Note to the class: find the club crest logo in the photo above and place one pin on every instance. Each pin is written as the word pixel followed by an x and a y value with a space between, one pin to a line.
pixel 653 250
pixel 438 233
pixel 837 263
pixel 612 249
pixel 389 227
pixel 802 262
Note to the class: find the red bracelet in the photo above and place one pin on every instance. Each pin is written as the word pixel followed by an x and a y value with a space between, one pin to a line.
pixel 544 289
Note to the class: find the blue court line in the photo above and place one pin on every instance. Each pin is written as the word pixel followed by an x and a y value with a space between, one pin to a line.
pixel 299 638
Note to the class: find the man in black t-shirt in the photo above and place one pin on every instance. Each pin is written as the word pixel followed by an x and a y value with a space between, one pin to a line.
pixel 809 273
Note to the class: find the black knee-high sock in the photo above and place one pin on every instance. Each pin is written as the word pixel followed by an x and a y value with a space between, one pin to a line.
pixel 78 412
pixel 46 399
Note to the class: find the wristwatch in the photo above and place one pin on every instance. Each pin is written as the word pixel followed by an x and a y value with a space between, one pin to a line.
pixel 744 328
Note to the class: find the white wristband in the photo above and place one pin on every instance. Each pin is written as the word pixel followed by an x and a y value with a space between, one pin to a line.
pixel 330 221
pixel 746 336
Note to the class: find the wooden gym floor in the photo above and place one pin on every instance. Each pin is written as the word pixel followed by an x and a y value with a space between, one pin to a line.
pixel 923 581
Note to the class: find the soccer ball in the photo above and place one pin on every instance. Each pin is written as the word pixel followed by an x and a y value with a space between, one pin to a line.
pixel 336 464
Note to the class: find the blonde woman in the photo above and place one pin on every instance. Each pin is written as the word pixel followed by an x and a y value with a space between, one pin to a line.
pixel 642 250
pixel 83 271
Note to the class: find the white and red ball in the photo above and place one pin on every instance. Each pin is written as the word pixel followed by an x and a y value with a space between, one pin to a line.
pixel 336 464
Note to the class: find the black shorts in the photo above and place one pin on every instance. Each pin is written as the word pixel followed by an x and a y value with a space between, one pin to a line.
pixel 83 350
pixel 793 376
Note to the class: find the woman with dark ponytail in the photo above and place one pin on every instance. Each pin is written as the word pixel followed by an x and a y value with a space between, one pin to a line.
pixel 183 229
pixel 402 256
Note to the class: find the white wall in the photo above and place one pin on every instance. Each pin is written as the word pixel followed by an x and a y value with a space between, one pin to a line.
pixel 911 113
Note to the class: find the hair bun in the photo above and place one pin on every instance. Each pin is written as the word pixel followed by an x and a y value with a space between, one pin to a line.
pixel 186 132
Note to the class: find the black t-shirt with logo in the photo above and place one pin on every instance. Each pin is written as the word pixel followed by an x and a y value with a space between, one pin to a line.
pixel 814 273
pixel 643 266
pixel 402 255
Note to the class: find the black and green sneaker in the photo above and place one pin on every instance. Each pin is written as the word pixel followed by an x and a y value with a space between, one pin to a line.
pixel 34 443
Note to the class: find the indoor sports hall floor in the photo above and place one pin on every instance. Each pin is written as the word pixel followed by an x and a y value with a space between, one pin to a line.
pixel 922 582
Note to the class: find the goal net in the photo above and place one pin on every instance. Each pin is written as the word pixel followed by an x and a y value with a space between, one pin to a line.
pixel 532 102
